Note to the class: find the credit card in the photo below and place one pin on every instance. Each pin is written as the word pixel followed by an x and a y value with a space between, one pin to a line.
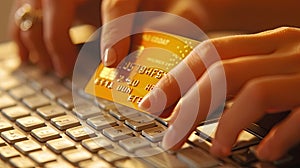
pixel 152 55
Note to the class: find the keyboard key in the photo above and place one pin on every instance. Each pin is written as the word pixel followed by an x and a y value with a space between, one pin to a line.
pixel 2 142
pixel 97 143
pixel 42 157
pixel 36 101
pixel 101 122
pixel 41 81
pixel 48 112
pixel 55 91
pixel 132 162
pixel 13 136
pixel 83 94
pixel 112 155
pixel 93 164
pixel 45 134
pixel 65 122
pixel 27 146
pixel 60 145
pixel 29 123
pixel 86 111
pixel 244 157
pixel 117 133
pixel 195 157
pixel 154 134
pixel 26 72
pixel 104 104
pixel 6 101
pixel 7 152
pixel 21 92
pixel 4 126
pixel 15 112
pixel 123 113
pixel 134 143
pixel 76 155
pixel 58 164
pixel 66 101
pixel 9 83
pixel 245 140
pixel 158 158
pixel 79 133
pixel 141 122
pixel 22 162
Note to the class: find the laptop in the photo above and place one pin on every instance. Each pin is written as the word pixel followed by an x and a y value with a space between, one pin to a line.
pixel 41 125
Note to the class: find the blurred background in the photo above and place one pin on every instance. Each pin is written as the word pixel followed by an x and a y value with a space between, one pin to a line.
pixel 5 6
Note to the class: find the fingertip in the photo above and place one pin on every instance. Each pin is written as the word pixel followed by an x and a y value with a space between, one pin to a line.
pixel 266 152
pixel 171 140
pixel 145 104
pixel 261 153
pixel 154 102
pixel 218 149
pixel 110 56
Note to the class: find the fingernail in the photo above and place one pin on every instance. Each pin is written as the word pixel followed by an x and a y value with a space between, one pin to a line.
pixel 154 102
pixel 110 57
pixel 219 150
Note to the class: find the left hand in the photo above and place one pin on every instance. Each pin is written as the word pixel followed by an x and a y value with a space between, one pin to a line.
pixel 46 42
pixel 262 73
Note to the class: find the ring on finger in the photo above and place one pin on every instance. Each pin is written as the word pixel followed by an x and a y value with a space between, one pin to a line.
pixel 26 16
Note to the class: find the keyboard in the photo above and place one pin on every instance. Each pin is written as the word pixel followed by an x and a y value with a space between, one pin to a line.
pixel 41 127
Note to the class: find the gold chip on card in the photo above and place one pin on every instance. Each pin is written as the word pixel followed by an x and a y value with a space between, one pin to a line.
pixel 152 55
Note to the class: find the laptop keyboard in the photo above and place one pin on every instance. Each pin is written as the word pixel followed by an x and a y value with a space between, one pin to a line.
pixel 41 127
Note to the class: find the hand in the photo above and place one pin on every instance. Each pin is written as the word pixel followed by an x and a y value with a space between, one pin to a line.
pixel 262 74
pixel 112 53
pixel 47 41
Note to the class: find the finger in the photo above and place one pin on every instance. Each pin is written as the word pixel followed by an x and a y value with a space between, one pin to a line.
pixel 58 17
pixel 15 33
pixel 115 40
pixel 241 70
pixel 178 80
pixel 175 83
pixel 195 106
pixel 273 92
pixel 33 40
pixel 238 72
pixel 279 140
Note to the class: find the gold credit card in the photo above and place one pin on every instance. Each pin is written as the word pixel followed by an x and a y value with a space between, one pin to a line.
pixel 153 54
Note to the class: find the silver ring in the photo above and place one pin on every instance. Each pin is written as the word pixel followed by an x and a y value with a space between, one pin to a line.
pixel 26 16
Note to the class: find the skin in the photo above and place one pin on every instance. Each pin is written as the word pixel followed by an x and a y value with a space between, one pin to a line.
pixel 47 43
pixel 252 64
pixel 275 61
pixel 274 54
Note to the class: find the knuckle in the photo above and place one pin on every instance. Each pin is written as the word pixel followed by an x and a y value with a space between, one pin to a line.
pixel 219 68
pixel 257 91
pixel 166 81
pixel 286 29
pixel 290 32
